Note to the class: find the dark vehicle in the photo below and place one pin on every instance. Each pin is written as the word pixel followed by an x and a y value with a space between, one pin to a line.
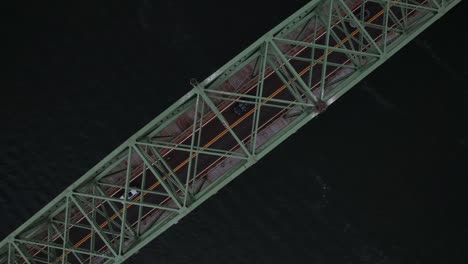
pixel 352 24
pixel 241 107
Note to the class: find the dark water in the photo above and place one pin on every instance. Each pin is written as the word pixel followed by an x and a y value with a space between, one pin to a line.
pixel 378 178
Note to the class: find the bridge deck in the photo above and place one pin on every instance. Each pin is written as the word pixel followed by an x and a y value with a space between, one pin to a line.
pixel 217 130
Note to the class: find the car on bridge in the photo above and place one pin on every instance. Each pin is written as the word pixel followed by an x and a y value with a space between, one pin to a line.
pixel 241 107
pixel 132 193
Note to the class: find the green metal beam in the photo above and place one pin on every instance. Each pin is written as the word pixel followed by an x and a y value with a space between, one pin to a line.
pixel 220 116
pixel 59 247
pixel 310 30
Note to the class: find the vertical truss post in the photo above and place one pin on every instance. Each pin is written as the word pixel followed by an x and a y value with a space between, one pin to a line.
pixel 92 243
pixel 10 253
pixel 404 15
pixel 200 126
pixel 385 29
pixel 326 52
pixel 258 103
pixel 66 230
pixel 125 205
pixel 192 145
pixel 49 250
pixel 140 209
pixel 361 44
pixel 312 52
pixel 256 67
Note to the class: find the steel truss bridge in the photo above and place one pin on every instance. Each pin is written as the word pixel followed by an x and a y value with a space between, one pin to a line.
pixel 219 129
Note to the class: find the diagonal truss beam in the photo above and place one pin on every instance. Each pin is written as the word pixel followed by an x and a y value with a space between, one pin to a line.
pixel 114 208
pixel 283 75
pixel 23 254
pixel 160 178
pixel 174 179
pixel 219 115
pixel 303 85
pixel 298 34
pixel 359 25
pixel 66 243
pixel 97 228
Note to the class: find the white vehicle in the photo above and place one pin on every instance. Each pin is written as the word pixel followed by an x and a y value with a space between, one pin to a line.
pixel 132 193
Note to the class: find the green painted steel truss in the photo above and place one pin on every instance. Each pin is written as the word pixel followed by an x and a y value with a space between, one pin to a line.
pixel 218 129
